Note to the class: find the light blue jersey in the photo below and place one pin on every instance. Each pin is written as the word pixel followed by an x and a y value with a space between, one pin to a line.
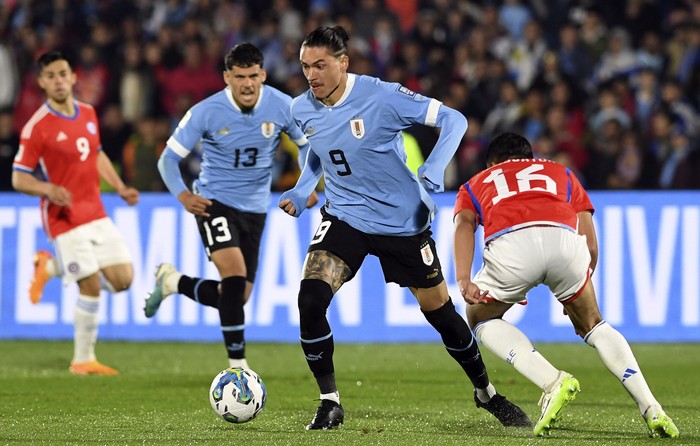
pixel 359 146
pixel 238 148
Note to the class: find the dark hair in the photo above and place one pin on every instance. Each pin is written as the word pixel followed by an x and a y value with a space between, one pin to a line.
pixel 507 146
pixel 51 57
pixel 243 55
pixel 335 38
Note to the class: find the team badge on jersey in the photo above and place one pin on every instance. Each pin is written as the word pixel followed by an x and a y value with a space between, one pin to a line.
pixel 92 128
pixel 268 129
pixel 357 126
pixel 427 254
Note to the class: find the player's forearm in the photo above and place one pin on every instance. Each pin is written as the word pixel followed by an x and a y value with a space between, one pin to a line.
pixel 310 174
pixel 28 184
pixel 169 168
pixel 108 173
pixel 452 126
pixel 463 249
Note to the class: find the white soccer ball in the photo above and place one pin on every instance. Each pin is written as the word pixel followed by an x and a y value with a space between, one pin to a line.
pixel 237 395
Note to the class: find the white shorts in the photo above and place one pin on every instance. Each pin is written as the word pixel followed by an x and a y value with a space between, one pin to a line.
pixel 518 261
pixel 85 250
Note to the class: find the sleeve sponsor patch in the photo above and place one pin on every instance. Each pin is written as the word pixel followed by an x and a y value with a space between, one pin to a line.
pixel 406 91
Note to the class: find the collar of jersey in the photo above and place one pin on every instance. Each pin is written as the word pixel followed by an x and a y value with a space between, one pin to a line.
pixel 57 113
pixel 348 88
pixel 229 96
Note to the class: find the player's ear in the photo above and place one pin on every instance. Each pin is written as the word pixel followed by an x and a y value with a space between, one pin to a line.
pixel 263 75
pixel 344 62
pixel 227 77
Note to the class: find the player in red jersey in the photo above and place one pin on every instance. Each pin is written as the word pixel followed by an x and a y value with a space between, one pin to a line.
pixel 62 137
pixel 538 228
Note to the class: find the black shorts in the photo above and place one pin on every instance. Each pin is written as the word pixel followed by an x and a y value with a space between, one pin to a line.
pixel 229 228
pixel 410 261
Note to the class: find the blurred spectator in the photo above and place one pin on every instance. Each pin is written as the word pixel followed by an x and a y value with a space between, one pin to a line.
pixel 608 108
pixel 618 60
pixel 9 76
pixel 681 167
pixel 153 58
pixel 195 77
pixel 136 84
pixel 141 154
pixel 683 113
pixel 9 143
pixel 593 35
pixel 650 54
pixel 604 153
pixel 506 112
pixel 514 16
pixel 573 58
pixel 93 76
pixel 646 96
pixel 114 133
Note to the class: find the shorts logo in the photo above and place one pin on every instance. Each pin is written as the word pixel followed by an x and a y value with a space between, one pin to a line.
pixel 268 129
pixel 92 128
pixel 357 127
pixel 427 254
pixel 73 267
pixel 406 91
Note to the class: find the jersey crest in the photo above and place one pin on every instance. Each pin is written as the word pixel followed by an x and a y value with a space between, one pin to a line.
pixel 357 126
pixel 268 129
pixel 427 254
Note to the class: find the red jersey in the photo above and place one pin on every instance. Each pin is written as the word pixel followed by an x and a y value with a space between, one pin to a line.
pixel 523 192
pixel 66 149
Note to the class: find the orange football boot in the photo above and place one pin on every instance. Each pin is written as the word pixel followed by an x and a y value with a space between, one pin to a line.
pixel 91 368
pixel 40 277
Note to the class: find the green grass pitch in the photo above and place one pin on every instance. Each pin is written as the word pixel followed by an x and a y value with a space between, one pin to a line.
pixel 393 394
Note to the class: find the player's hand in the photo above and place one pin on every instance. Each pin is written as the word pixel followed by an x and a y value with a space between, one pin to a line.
pixel 130 195
pixel 430 185
pixel 59 195
pixel 313 199
pixel 194 204
pixel 471 293
pixel 287 206
pixel 293 204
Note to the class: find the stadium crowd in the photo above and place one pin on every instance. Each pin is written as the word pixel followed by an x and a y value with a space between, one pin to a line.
pixel 609 88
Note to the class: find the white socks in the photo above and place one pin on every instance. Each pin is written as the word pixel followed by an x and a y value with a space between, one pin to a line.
pixel 333 396
pixel 238 363
pixel 619 359
pixel 170 284
pixel 52 268
pixel 85 328
pixel 511 344
pixel 486 394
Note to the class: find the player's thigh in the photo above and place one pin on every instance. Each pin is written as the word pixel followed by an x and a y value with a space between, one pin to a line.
pixel 90 285
pixel 411 261
pixel 108 245
pixel 229 262
pixel 432 298
pixel 492 309
pixel 75 254
pixel 252 227
pixel 335 253
pixel 583 311
pixel 119 276
pixel 221 230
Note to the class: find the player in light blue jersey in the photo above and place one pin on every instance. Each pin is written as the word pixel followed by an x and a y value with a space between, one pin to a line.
pixel 375 205
pixel 239 130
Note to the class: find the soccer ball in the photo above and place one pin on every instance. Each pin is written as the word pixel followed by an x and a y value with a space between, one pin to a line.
pixel 237 395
